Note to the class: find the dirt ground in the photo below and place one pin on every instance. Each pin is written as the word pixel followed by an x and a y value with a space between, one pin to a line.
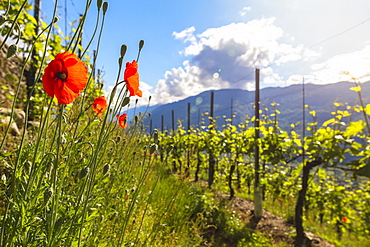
pixel 274 226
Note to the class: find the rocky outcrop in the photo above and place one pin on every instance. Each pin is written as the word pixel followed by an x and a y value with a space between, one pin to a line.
pixel 10 72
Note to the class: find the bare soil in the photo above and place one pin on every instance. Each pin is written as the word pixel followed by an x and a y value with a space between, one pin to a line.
pixel 274 226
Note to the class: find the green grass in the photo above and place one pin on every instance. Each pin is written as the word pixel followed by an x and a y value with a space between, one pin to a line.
pixel 285 209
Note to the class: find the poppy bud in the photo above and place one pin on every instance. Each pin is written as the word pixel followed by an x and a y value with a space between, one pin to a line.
pixel 106 169
pixel 56 19
pixel 99 3
pixel 2 19
pixel 136 119
pixel 123 50
pixel 118 139
pixel 114 91
pixel 105 7
pixel 47 195
pixel 58 224
pixel 12 50
pixel 125 101
pixel 83 173
pixel 141 44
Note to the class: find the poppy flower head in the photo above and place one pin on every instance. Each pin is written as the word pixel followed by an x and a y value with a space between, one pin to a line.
pixel 131 76
pixel 65 77
pixel 99 105
pixel 153 154
pixel 122 120
pixel 345 220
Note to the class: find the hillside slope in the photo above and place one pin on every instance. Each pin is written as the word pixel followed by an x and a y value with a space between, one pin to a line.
pixel 241 102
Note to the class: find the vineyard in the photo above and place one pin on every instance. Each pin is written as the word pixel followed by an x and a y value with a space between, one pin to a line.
pixel 75 170
pixel 334 158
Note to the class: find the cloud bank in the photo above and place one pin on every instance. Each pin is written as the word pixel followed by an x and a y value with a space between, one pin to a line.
pixel 226 57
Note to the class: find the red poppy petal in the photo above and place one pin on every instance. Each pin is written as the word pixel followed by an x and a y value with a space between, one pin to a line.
pixel 77 77
pixel 71 62
pixel 48 82
pixel 122 120
pixel 132 83
pixel 131 69
pixel 139 93
pixel 64 94
pixel 99 105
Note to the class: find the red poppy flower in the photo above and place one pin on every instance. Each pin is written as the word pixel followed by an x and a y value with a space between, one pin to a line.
pixel 65 77
pixel 122 120
pixel 153 154
pixel 99 105
pixel 345 220
pixel 131 77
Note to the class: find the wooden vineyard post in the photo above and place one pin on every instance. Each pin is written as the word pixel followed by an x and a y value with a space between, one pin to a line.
pixel 187 170
pixel 257 184
pixel 188 117
pixel 211 168
pixel 173 121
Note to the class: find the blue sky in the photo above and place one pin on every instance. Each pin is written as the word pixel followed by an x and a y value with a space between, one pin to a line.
pixel 197 45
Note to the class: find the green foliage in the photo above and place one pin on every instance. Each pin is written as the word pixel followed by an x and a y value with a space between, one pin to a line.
pixel 37 50
pixel 81 180
pixel 223 227
pixel 340 142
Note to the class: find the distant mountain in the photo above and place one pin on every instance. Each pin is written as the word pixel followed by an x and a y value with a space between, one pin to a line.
pixel 319 98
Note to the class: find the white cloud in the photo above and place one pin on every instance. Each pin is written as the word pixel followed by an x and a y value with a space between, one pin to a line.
pixel 184 81
pixel 294 79
pixel 185 35
pixel 356 63
pixel 244 11
pixel 226 57
pixel 119 95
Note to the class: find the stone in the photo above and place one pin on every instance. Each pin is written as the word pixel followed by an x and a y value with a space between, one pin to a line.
pixel 33 124
pixel 4 122
pixel 19 115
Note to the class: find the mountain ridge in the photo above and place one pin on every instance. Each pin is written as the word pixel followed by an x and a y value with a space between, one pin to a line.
pixel 239 102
